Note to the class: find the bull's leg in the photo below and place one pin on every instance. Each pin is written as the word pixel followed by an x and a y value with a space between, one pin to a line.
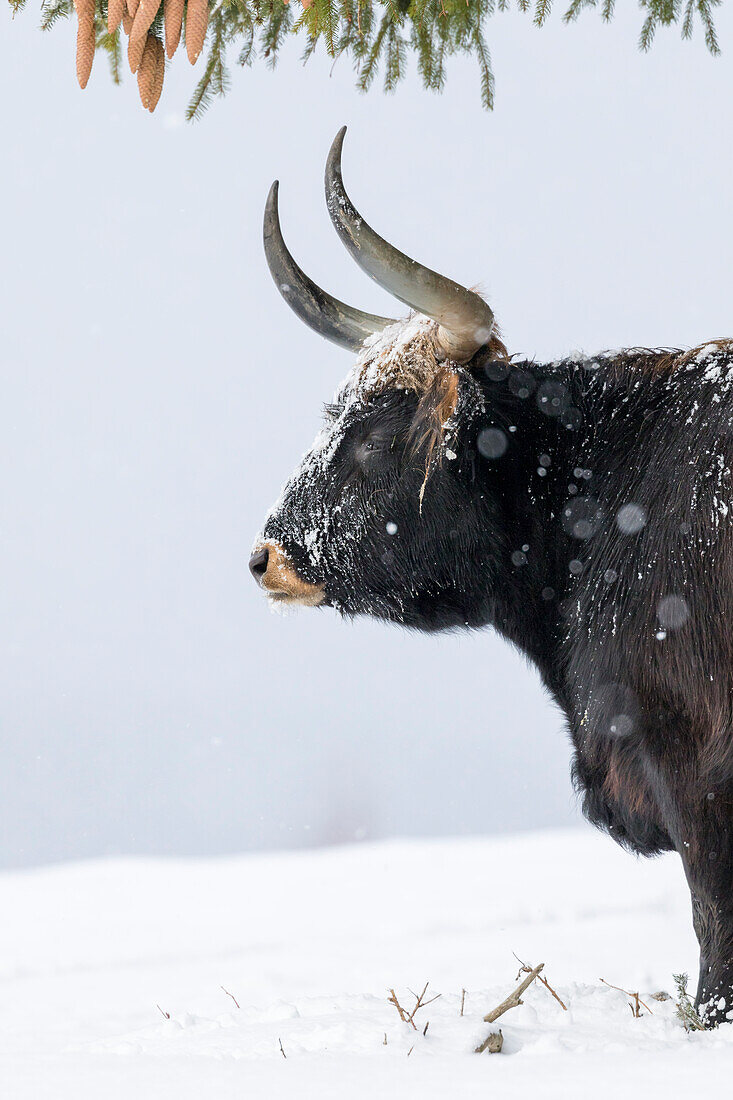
pixel 705 843
pixel 697 809
pixel 712 916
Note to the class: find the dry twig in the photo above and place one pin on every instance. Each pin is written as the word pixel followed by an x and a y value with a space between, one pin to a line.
pixel 636 999
pixel 419 1003
pixel 281 1048
pixel 230 995
pixel 463 999
pixel 166 1014
pixel 514 999
pixel 525 969
pixel 393 1001
pixel 495 1040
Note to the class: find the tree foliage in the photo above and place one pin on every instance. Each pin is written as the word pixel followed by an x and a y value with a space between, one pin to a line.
pixel 379 37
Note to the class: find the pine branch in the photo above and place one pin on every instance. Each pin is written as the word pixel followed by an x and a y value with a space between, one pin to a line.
pixel 112 46
pixel 541 12
pixel 369 68
pixel 686 1012
pixel 53 10
pixel 487 76
pixel 646 37
pixel 215 81
pixel 377 35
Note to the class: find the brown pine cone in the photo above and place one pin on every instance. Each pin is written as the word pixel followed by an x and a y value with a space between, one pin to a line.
pixel 144 16
pixel 127 22
pixel 159 75
pixel 173 12
pixel 197 20
pixel 132 7
pixel 115 10
pixel 147 69
pixel 84 10
pixel 135 48
pixel 86 41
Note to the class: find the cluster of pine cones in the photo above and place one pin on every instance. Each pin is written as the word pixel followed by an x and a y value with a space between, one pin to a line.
pixel 145 51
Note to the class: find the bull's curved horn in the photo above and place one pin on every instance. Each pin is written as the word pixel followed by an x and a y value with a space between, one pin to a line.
pixel 336 321
pixel 465 320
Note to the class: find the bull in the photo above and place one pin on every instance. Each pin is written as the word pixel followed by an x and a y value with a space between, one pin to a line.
pixel 581 507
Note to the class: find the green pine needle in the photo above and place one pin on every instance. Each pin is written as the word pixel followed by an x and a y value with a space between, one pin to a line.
pixel 687 1014
pixel 377 35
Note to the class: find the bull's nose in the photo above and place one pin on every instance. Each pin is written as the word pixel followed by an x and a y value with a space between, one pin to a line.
pixel 258 563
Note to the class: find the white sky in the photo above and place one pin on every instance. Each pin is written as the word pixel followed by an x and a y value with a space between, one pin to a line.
pixel 156 392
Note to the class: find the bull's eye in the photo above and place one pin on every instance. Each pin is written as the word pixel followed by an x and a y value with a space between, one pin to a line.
pixel 372 450
pixel 366 451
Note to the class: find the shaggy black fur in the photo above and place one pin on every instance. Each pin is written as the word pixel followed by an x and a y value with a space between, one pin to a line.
pixel 582 509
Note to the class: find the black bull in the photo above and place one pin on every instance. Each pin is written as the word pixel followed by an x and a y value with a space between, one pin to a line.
pixel 582 508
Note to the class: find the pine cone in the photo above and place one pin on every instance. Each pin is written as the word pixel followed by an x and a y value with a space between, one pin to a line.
pixel 132 7
pixel 146 71
pixel 127 22
pixel 84 10
pixel 173 11
pixel 86 40
pixel 135 49
pixel 159 75
pixel 115 10
pixel 144 16
pixel 197 20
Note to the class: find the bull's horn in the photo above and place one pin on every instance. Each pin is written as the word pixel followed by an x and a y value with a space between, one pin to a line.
pixel 465 320
pixel 333 319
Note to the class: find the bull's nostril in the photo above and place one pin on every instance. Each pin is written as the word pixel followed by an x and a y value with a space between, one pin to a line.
pixel 258 563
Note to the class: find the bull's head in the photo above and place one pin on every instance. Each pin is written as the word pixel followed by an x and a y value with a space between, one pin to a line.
pixel 384 514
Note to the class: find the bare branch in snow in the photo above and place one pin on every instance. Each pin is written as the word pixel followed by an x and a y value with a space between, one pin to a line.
pixel 525 969
pixel 393 1001
pixel 514 999
pixel 635 1002
pixel 420 1002
pixel 230 995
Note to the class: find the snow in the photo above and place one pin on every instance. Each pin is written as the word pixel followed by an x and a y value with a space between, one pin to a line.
pixel 310 944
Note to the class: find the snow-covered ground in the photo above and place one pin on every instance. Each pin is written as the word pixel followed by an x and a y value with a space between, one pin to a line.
pixel 310 944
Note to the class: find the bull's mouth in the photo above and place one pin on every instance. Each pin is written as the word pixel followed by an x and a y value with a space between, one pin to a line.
pixel 279 579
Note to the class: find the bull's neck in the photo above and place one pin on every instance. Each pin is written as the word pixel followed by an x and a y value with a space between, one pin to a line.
pixel 546 488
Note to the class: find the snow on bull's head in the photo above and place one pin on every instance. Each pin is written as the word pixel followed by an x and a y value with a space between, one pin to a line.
pixel 355 526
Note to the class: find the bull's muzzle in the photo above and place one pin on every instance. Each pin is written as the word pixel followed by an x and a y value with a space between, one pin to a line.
pixel 274 573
